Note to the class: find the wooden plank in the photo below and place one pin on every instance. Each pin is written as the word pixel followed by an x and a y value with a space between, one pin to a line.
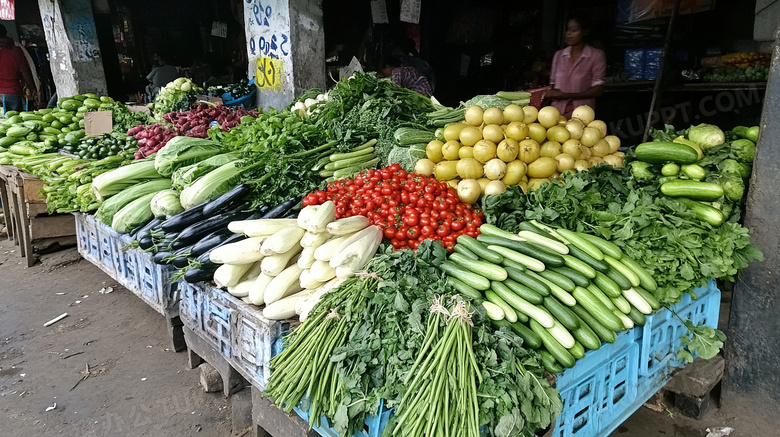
pixel 25 242
pixel 8 171
pixel 31 186
pixel 6 209
pixel 60 225
pixel 36 209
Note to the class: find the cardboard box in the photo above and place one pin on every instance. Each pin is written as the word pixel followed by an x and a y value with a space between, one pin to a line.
pixel 98 123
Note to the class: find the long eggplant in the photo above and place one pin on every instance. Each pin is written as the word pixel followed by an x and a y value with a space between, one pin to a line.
pixel 282 208
pixel 209 241
pixel 183 219
pixel 146 242
pixel 210 224
pixel 146 226
pixel 180 262
pixel 161 256
pixel 202 274
pixel 227 200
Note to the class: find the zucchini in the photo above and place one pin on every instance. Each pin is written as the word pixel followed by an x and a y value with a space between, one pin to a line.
pixel 561 313
pixel 580 254
pixel 703 212
pixel 474 280
pixel 524 292
pixel 509 312
pixel 479 249
pixel 605 334
pixel 575 276
pixel 660 152
pixel 695 190
pixel 484 268
pixel 463 288
pixel 561 354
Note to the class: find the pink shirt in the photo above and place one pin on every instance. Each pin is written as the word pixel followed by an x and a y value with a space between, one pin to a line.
pixel 588 71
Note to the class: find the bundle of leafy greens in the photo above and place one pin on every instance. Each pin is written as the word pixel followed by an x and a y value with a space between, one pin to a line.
pixel 680 251
pixel 280 147
pixel 514 398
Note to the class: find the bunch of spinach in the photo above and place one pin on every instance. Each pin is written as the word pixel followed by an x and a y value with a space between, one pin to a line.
pixel 514 397
pixel 680 251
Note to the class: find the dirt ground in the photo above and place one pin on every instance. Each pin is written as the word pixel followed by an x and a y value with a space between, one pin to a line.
pixel 138 386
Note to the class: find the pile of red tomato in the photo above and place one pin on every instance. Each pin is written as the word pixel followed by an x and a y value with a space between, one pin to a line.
pixel 410 208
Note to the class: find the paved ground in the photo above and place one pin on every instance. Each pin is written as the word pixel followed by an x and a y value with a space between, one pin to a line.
pixel 137 386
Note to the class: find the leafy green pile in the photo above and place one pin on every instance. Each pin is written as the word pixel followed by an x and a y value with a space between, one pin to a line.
pixel 281 147
pixel 680 251
pixel 514 397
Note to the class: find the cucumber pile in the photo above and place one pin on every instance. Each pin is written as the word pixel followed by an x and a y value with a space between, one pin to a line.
pixel 563 292
pixel 101 146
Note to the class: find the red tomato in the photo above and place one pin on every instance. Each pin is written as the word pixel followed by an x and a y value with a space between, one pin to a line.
pixel 390 233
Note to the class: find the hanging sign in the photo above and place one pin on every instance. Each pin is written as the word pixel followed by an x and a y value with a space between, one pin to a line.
pixel 379 12
pixel 219 29
pixel 410 11
pixel 7 10
pixel 269 74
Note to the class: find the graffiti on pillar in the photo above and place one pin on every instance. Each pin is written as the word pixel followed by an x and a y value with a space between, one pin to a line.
pixel 83 40
pixel 268 38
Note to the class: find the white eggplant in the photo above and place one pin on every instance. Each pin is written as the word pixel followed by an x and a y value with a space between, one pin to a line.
pixel 282 240
pixel 322 271
pixel 262 227
pixel 284 284
pixel 318 222
pixel 348 225
pixel 257 292
pixel 326 251
pixel 306 258
pixel 240 252
pixel 274 264
pixel 305 215
pixel 314 240
pixel 228 275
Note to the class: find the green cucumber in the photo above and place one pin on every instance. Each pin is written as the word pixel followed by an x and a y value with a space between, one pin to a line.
pixel 695 190
pixel 510 263
pixel 493 311
pixel 489 230
pixel 526 261
pixel 583 256
pixel 596 308
pixel 532 282
pixel 541 253
pixel 463 288
pixel 660 152
pixel 703 212
pixel 646 280
pixel 637 300
pixel 649 298
pixel 509 312
pixel 549 362
pixel 576 239
pixel 561 313
pixel 479 249
pixel 459 248
pixel 580 266
pixel 560 353
pixel 618 278
pixel 555 290
pixel 524 292
pixel 577 351
pixel 621 304
pixel 559 279
pixel 670 169
pixel 605 334
pixel 577 277
pixel 637 317
pixel 474 280
pixel 530 339
pixel 694 171
pixel 607 247
pixel 585 334
pixel 632 277
pixel 544 241
pixel 520 304
pixel 484 268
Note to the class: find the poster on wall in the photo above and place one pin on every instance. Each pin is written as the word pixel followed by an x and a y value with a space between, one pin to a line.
pixel 267 29
pixel 7 10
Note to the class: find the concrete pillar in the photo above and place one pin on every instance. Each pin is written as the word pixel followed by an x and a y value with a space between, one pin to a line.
pixel 752 353
pixel 285 48
pixel 76 63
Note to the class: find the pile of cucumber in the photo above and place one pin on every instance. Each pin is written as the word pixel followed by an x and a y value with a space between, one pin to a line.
pixel 563 292
pixel 101 146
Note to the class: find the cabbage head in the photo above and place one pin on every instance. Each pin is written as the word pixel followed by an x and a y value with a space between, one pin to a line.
pixel 744 150
pixel 735 168
pixel 706 135
pixel 733 187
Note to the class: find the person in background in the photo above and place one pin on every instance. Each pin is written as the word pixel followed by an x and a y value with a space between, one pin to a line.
pixel 407 56
pixel 405 77
pixel 15 76
pixel 577 72
pixel 160 76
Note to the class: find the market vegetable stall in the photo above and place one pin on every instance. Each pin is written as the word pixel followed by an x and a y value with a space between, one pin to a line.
pixel 393 273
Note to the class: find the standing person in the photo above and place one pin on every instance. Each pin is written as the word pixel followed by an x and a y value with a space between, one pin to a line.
pixel 15 77
pixel 405 77
pixel 407 55
pixel 577 72
pixel 160 76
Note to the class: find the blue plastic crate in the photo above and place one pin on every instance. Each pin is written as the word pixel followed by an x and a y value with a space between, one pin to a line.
pixel 154 285
pixel 87 239
pixel 110 255
pixel 254 338
pixel 245 102
pixel 634 63
pixel 660 337
pixel 652 63
pixel 210 313
pixel 373 426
